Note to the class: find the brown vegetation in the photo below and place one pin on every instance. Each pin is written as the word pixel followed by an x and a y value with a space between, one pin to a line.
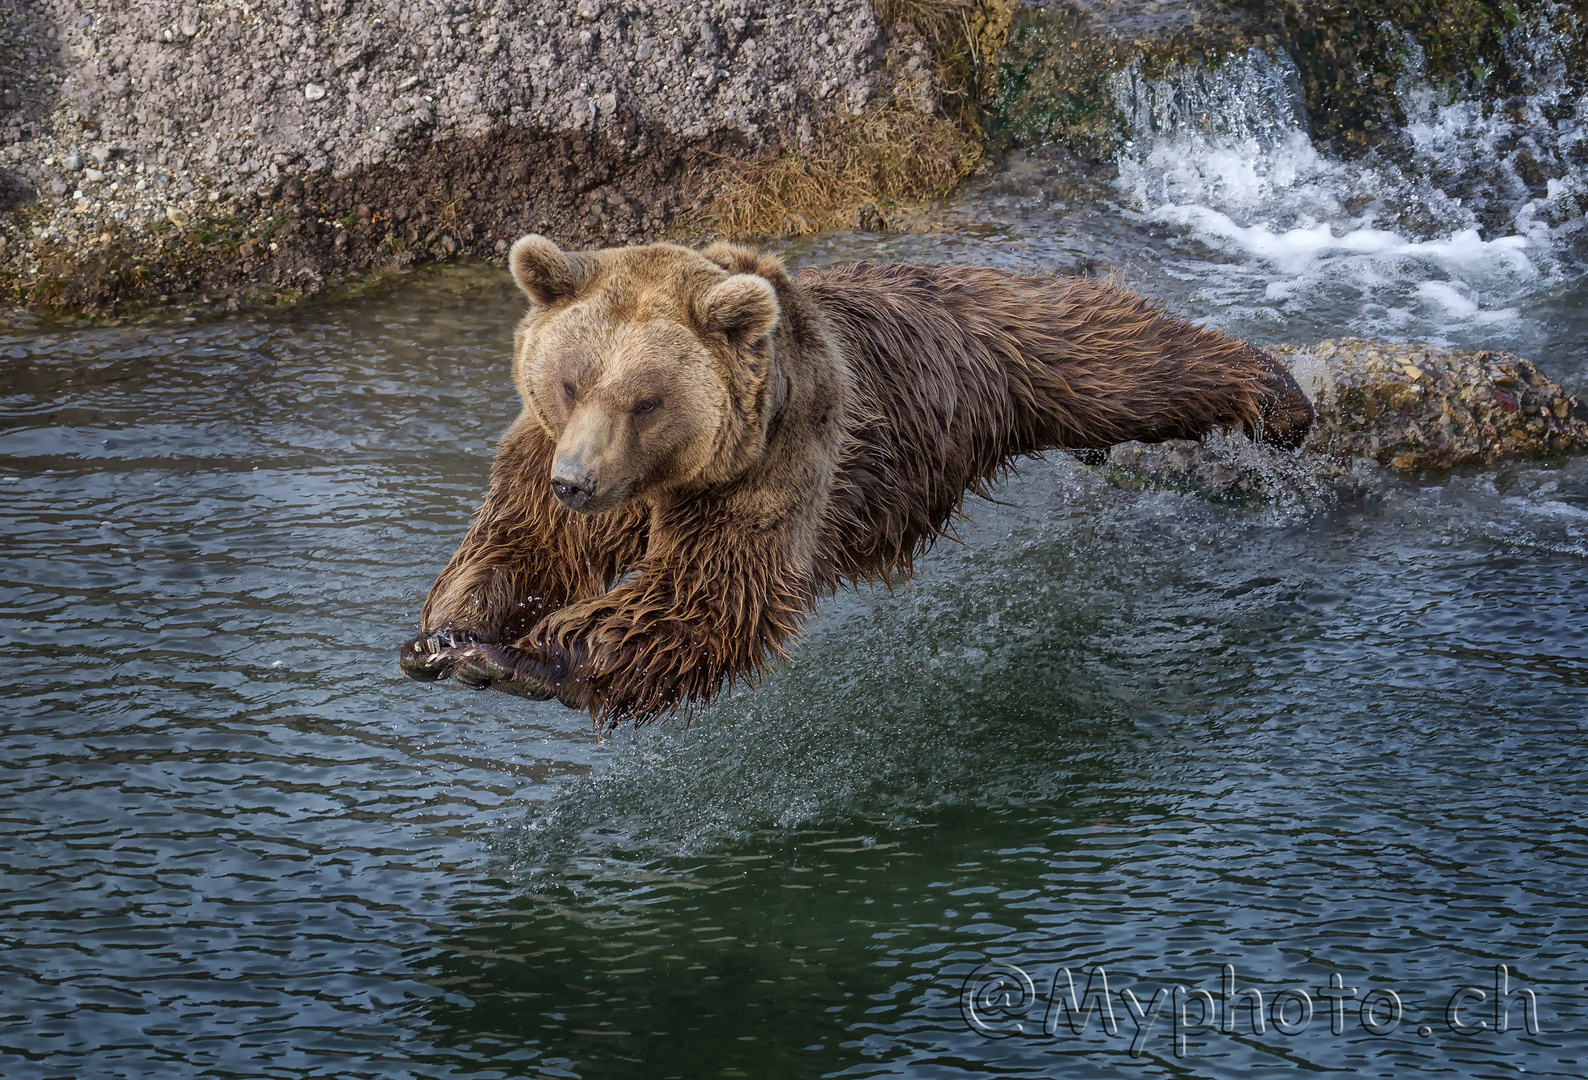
pixel 916 146
pixel 891 155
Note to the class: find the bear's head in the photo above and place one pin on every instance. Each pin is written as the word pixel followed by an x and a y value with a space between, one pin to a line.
pixel 653 368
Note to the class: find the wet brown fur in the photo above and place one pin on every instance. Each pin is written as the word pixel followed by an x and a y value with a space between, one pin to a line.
pixel 847 440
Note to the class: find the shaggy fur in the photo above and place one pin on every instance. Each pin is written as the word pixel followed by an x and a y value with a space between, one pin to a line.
pixel 808 433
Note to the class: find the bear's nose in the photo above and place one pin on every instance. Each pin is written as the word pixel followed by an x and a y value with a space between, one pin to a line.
pixel 574 495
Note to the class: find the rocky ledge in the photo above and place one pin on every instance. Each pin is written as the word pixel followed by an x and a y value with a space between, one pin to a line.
pixel 1404 407
pixel 1413 407
pixel 268 147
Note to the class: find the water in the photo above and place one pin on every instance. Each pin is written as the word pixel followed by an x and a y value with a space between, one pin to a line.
pixel 1129 729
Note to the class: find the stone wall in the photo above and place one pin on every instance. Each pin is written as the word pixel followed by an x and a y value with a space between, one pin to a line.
pixel 233 89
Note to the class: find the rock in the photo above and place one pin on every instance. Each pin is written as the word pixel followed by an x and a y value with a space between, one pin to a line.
pixel 217 95
pixel 1405 407
pixel 177 217
pixel 869 219
pixel 1056 67
pixel 1415 407
pixel 1229 467
pixel 93 176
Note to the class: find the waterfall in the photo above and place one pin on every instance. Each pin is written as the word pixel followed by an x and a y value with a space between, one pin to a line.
pixel 1459 215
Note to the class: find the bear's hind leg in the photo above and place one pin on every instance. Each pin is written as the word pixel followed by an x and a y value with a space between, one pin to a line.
pixel 1109 367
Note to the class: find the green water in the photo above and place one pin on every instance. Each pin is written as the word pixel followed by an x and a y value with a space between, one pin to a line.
pixel 1338 737
pixel 1131 729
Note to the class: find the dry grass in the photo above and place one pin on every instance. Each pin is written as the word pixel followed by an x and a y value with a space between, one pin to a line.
pixel 965 37
pixel 892 154
pixel 935 20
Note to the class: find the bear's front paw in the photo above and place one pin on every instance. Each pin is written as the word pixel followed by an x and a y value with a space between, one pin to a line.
pixel 431 655
pixel 504 668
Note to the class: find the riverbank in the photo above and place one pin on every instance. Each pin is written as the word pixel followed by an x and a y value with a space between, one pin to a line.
pixel 232 154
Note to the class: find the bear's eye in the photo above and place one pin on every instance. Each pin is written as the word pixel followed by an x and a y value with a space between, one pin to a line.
pixel 567 388
pixel 648 405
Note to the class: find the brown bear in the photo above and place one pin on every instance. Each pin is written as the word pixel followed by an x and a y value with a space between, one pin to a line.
pixel 708 444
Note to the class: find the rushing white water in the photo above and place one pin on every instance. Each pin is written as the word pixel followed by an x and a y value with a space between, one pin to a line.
pixel 1474 212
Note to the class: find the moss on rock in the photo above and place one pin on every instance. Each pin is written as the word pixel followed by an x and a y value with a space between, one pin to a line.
pixel 1052 84
pixel 1054 81
pixel 1352 55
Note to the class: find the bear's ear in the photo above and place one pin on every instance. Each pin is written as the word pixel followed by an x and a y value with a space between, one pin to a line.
pixel 743 308
pixel 544 271
pixel 738 259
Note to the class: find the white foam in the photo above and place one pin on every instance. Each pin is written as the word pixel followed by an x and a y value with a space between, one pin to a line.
pixel 1297 250
pixel 1226 156
pixel 1450 300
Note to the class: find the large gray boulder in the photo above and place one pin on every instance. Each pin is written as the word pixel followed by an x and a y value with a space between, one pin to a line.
pixel 229 90
pixel 163 145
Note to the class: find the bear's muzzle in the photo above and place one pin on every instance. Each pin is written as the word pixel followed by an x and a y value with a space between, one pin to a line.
pixel 575 494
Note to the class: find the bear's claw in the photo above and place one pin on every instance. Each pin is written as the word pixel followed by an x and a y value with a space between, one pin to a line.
pixel 442 654
pixel 432 655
